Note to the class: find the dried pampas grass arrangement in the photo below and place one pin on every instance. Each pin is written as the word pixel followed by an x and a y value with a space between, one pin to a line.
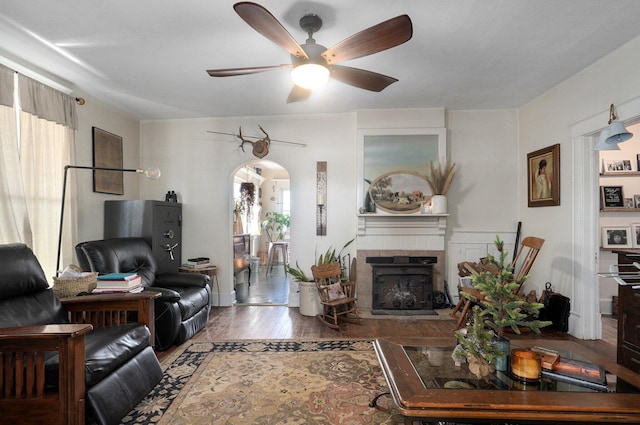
pixel 440 178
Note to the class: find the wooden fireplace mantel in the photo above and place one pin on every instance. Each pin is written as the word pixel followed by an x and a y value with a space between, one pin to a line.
pixel 399 224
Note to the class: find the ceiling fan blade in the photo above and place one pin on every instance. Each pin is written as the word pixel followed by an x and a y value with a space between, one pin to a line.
pixel 230 72
pixel 361 78
pixel 375 39
pixel 261 20
pixel 298 94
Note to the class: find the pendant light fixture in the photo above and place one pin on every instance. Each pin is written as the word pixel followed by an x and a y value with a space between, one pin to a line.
pixel 602 144
pixel 617 132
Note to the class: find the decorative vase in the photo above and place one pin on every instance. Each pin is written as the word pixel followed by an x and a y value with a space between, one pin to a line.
pixel 504 348
pixel 438 204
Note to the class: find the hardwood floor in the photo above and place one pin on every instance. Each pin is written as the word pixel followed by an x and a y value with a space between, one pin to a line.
pixel 282 322
pixel 271 289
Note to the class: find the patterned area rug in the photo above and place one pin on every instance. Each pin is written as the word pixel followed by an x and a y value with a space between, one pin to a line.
pixel 269 382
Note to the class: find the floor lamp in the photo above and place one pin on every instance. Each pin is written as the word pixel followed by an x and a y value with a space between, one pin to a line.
pixel 150 173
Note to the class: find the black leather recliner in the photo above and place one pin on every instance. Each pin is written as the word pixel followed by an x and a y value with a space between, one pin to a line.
pixel 48 362
pixel 183 308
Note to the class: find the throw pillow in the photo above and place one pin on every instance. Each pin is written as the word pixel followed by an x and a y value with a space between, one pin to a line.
pixel 335 292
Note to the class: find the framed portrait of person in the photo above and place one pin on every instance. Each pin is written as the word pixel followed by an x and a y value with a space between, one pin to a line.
pixel 617 237
pixel 635 234
pixel 543 176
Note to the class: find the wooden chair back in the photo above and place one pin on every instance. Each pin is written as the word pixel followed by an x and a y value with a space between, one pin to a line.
pixel 525 257
pixel 522 262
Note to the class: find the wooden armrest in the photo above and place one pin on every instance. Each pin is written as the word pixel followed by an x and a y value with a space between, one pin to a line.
pixel 475 293
pixel 106 298
pixel 44 331
pixel 25 393
pixel 111 309
pixel 349 288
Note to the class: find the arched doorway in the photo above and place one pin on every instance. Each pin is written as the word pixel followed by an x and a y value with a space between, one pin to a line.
pixel 261 189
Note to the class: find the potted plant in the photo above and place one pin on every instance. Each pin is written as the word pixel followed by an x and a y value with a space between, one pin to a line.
pixel 439 180
pixel 275 225
pixel 497 308
pixel 327 257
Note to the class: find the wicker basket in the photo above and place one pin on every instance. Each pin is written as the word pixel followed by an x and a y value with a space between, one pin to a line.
pixel 65 287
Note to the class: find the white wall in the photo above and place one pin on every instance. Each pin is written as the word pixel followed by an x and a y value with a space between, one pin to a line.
pixel 549 120
pixel 199 166
pixel 483 145
pixel 97 114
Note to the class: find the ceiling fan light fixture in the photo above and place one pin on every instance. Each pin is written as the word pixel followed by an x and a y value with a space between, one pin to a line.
pixel 310 75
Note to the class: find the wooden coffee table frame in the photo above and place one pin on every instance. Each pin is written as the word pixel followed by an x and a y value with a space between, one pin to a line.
pixel 414 401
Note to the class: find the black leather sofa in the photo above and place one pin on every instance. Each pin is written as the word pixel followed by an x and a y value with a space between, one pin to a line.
pixel 52 369
pixel 183 307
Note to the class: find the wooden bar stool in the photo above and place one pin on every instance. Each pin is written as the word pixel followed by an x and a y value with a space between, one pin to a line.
pixel 272 257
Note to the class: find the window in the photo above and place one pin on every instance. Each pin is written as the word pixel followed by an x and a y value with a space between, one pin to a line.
pixel 38 132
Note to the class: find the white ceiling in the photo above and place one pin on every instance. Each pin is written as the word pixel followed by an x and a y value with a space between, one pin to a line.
pixel 148 57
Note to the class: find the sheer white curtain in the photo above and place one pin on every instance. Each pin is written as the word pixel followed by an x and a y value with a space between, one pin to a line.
pixel 14 219
pixel 31 169
pixel 47 136
pixel 46 147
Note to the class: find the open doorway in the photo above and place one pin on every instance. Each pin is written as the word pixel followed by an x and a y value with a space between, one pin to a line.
pixel 261 191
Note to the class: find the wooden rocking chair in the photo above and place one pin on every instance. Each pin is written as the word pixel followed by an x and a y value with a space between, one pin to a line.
pixel 524 259
pixel 336 297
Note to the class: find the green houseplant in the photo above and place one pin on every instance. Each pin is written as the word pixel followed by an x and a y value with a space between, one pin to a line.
pixel 327 257
pixel 275 225
pixel 497 309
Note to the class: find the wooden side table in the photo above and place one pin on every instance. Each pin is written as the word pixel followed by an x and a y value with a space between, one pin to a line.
pixel 211 271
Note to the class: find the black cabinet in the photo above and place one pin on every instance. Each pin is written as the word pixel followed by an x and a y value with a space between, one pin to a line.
pixel 159 223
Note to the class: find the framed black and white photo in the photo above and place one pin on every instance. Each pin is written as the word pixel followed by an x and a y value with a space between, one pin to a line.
pixel 616 166
pixel 635 234
pixel 616 237
pixel 611 197
pixel 628 203
pixel 636 201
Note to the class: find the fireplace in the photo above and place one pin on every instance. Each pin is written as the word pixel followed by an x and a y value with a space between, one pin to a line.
pixel 420 238
pixel 402 285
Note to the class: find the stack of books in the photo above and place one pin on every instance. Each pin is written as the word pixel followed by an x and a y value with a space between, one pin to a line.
pixel 197 263
pixel 572 371
pixel 118 282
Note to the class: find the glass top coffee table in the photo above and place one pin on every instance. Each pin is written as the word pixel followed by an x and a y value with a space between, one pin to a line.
pixel 425 383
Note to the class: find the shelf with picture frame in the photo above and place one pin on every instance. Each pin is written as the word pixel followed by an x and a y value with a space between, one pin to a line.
pixel 620 166
pixel 628 236
pixel 612 199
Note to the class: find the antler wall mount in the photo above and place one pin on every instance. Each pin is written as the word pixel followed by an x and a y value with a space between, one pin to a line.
pixel 260 147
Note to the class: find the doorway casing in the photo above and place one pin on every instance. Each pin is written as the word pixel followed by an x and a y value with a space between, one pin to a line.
pixel 586 322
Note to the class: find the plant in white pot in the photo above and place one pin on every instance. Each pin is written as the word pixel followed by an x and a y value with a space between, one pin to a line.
pixel 439 179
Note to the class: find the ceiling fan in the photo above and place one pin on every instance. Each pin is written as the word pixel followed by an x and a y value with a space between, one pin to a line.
pixel 318 61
